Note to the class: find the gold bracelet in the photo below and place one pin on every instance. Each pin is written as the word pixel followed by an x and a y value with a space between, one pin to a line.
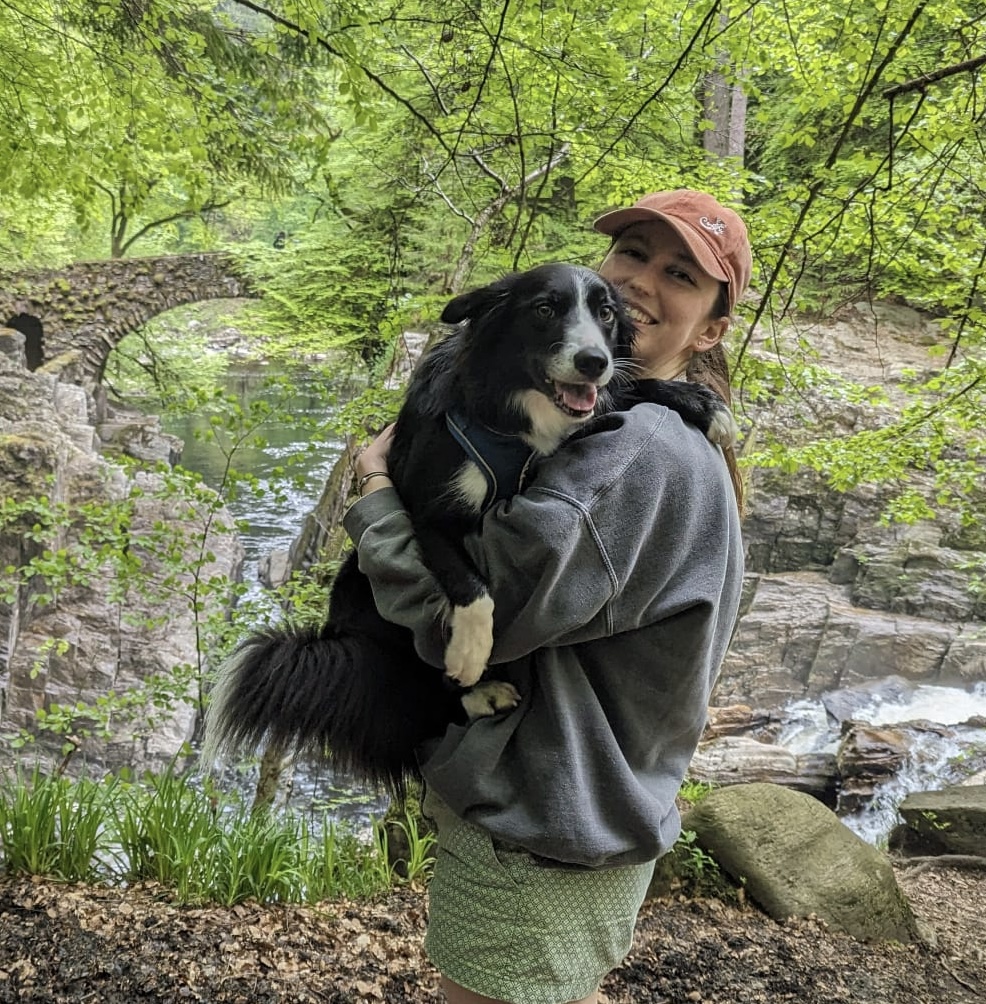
pixel 366 477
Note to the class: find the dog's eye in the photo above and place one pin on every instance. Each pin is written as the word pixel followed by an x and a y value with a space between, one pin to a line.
pixel 607 314
pixel 544 310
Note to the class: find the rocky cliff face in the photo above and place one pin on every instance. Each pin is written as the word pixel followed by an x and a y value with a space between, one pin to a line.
pixel 834 596
pixel 81 633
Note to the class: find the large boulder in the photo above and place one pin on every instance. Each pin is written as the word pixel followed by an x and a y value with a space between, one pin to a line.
pixel 795 858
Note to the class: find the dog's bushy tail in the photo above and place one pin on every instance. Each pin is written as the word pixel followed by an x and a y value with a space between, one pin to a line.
pixel 323 693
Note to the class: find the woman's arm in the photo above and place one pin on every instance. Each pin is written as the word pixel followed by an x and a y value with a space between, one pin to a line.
pixel 372 472
pixel 546 574
pixel 626 504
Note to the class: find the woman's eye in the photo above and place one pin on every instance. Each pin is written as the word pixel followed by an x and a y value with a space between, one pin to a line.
pixel 682 275
pixel 633 252
pixel 544 310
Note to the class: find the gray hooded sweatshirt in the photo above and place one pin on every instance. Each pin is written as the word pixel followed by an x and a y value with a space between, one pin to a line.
pixel 616 578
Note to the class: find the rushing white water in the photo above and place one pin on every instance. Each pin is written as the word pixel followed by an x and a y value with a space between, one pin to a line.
pixel 933 761
pixel 942 705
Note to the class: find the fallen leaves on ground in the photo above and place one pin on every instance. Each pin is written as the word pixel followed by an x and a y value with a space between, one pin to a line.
pixel 74 944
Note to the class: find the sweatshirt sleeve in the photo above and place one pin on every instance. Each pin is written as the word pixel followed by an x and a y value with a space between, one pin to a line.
pixel 547 577
pixel 556 556
pixel 405 591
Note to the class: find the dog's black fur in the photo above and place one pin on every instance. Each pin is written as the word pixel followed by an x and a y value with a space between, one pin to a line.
pixel 528 358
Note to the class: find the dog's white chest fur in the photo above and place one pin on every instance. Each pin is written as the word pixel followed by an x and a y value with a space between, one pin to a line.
pixel 470 485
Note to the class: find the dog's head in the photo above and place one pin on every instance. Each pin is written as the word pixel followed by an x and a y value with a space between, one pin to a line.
pixel 549 337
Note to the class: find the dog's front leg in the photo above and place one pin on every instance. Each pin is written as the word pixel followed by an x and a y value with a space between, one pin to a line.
pixel 470 640
pixel 696 404
pixel 470 619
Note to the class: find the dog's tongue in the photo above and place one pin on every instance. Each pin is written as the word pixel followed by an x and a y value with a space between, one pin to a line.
pixel 578 396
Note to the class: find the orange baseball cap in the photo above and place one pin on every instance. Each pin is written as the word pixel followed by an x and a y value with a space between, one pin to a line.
pixel 715 235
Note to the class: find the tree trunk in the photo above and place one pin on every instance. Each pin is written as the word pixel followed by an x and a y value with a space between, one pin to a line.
pixel 725 106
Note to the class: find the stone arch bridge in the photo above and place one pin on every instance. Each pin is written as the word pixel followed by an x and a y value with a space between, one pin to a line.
pixel 88 307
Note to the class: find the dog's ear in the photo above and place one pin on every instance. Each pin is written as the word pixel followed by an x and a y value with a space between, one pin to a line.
pixel 475 303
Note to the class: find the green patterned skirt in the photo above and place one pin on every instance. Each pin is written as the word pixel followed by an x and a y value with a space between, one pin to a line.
pixel 505 925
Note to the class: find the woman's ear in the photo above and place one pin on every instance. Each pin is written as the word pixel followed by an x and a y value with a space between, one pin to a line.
pixel 711 335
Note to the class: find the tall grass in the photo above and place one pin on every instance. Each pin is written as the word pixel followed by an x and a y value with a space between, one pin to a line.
pixel 53 826
pixel 204 847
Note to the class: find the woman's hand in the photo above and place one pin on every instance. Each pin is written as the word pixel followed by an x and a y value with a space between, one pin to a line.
pixel 373 461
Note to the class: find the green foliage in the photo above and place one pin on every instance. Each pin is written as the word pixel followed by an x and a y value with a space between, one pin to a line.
pixel 417 865
pixel 168 362
pixel 52 826
pixel 927 453
pixel 693 791
pixel 72 545
pixel 199 845
pixel 326 291
pixel 698 864
pixel 690 870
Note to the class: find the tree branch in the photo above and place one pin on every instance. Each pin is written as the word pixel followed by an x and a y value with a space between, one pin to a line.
pixel 816 186
pixel 919 83
pixel 321 41
pixel 628 125
pixel 465 258
pixel 182 214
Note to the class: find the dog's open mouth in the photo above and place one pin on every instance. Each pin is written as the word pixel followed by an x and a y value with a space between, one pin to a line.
pixel 576 399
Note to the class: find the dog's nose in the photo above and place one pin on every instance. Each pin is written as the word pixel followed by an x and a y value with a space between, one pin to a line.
pixel 591 362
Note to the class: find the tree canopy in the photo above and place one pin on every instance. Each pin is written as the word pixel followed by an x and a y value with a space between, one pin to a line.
pixel 421 147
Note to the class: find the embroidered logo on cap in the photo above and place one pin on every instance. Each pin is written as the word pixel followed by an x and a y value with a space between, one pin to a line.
pixel 716 226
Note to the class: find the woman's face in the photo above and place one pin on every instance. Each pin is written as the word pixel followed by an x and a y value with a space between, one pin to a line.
pixel 670 299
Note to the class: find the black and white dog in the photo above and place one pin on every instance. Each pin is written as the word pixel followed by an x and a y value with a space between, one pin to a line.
pixel 531 360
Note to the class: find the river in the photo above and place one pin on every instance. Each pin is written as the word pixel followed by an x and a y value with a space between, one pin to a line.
pixel 271 520
pixel 933 761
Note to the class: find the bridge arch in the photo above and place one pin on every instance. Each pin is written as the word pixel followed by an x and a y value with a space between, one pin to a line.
pixel 33 331
pixel 90 306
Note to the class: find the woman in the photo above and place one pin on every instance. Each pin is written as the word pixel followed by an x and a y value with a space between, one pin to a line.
pixel 616 578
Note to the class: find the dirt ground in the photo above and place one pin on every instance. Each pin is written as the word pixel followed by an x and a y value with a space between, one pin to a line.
pixel 114 946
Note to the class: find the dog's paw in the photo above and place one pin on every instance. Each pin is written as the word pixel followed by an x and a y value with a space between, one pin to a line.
pixel 723 429
pixel 490 698
pixel 471 641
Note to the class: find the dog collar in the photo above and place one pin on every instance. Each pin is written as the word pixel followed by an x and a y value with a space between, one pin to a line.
pixel 502 458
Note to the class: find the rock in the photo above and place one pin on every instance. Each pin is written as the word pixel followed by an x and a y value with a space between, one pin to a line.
pixel 868 755
pixel 12 344
pixel 122 430
pixel 142 439
pixel 734 760
pixel 849 701
pixel 274 568
pixel 95 634
pixel 909 570
pixel 735 719
pixel 800 636
pixel 796 859
pixel 949 821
